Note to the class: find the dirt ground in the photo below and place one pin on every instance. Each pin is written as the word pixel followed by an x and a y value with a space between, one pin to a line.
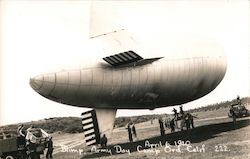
pixel 214 137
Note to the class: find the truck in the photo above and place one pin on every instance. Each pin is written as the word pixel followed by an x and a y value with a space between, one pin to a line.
pixel 18 147
pixel 239 111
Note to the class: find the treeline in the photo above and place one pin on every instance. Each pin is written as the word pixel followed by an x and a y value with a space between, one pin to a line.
pixel 63 124
pixel 123 121
pixel 51 125
pixel 216 106
pixel 72 124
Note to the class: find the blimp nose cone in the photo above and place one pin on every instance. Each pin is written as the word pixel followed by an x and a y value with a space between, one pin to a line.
pixel 37 82
pixel 43 84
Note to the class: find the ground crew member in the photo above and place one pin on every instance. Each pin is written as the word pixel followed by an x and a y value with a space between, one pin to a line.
pixel 167 123
pixel 3 134
pixel 238 100
pixel 31 142
pixel 182 122
pixel 130 137
pixel 233 115
pixel 162 130
pixel 172 125
pixel 134 130
pixel 104 141
pixel 187 121
pixel 175 113
pixel 21 136
pixel 50 149
pixel 181 110
pixel 20 131
pixel 191 120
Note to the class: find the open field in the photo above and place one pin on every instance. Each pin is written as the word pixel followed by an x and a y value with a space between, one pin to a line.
pixel 215 136
pixel 221 140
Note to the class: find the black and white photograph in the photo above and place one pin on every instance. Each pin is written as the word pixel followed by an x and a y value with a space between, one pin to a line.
pixel 115 79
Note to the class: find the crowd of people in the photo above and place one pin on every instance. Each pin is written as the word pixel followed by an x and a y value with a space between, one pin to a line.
pixel 29 139
pixel 180 121
pixel 186 120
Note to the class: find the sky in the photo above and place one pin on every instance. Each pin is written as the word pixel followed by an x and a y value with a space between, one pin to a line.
pixel 38 36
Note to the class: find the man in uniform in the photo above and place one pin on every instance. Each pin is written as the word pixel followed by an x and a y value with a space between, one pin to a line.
pixel 130 133
pixel 50 149
pixel 233 115
pixel 162 130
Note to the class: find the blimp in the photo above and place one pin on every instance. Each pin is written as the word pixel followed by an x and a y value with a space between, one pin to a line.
pixel 127 78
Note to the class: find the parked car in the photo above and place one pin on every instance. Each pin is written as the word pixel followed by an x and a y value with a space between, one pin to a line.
pixel 239 111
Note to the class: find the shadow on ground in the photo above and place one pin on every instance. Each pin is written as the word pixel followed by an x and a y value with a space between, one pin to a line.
pixel 196 135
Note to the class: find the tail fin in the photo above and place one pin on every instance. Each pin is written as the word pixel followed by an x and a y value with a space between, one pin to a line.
pixel 96 123
pixel 104 18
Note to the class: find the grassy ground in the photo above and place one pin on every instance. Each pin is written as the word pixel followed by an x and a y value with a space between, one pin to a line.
pixel 214 130
pixel 221 140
